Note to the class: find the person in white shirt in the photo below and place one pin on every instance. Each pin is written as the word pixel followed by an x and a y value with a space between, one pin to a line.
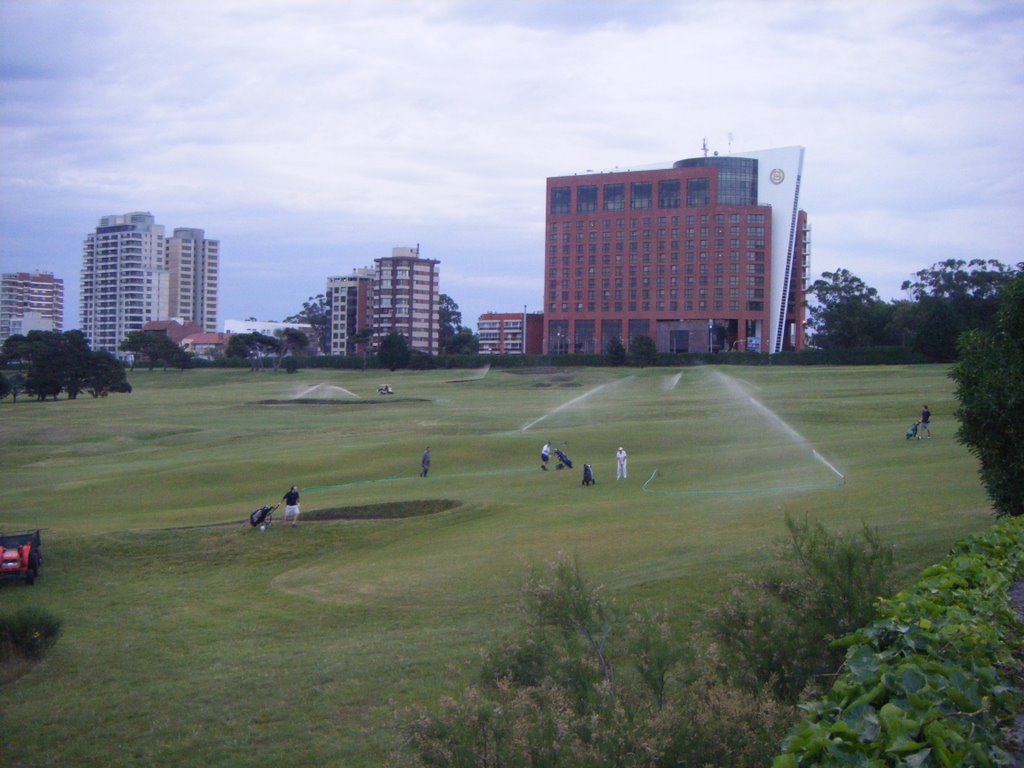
pixel 620 464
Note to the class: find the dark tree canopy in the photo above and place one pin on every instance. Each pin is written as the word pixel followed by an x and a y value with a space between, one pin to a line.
pixel 990 389
pixel 155 348
pixel 253 347
pixel 616 351
pixel 394 351
pixel 644 350
pixel 61 362
pixel 847 313
pixel 454 337
pixel 316 311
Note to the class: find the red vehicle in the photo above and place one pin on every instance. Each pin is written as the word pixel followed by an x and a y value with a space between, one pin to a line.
pixel 20 555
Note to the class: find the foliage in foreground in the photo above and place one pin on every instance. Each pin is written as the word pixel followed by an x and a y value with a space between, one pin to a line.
pixel 25 637
pixel 929 683
pixel 825 584
pixel 990 390
pixel 590 685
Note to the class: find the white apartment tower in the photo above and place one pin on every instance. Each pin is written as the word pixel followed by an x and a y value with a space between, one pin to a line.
pixel 351 299
pixel 30 301
pixel 125 281
pixel 193 262
pixel 407 299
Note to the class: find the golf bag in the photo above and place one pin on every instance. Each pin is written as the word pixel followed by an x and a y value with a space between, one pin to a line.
pixel 912 431
pixel 263 517
pixel 588 475
pixel 563 460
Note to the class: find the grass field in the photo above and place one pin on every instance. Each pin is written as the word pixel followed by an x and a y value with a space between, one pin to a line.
pixel 191 639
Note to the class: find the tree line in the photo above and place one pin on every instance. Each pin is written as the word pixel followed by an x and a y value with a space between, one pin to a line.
pixel 942 302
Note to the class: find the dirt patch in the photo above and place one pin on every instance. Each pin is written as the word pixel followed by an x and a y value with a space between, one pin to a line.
pixel 393 510
pixel 342 403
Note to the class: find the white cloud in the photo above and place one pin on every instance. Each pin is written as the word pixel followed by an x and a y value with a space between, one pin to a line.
pixel 332 131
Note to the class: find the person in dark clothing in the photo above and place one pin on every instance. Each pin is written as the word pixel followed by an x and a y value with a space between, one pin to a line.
pixel 425 462
pixel 926 423
pixel 291 505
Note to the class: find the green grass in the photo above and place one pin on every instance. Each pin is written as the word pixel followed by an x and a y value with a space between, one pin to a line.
pixel 190 639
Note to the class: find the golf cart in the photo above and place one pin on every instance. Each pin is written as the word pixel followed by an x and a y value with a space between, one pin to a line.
pixel 20 555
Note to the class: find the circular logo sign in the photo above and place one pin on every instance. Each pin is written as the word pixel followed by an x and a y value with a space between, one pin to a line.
pixel 777 176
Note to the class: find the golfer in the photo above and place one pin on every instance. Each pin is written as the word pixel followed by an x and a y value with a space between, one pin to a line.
pixel 545 455
pixel 926 423
pixel 621 459
pixel 291 505
pixel 425 462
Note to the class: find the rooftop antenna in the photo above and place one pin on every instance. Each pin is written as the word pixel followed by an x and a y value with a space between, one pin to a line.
pixel 704 146
pixel 730 142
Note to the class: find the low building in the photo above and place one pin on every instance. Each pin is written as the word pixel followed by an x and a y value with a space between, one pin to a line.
pixel 502 333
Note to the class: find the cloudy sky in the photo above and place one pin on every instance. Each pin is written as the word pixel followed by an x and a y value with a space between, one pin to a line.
pixel 311 136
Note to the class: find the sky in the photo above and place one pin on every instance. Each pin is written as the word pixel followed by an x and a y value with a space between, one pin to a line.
pixel 311 136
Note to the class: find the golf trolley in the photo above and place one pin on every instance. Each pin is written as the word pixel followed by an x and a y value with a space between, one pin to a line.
pixel 263 517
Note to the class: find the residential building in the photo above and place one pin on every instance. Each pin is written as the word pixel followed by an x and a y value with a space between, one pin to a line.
pixel 30 301
pixel 406 299
pixel 125 280
pixel 351 301
pixel 704 254
pixel 194 265
pixel 502 333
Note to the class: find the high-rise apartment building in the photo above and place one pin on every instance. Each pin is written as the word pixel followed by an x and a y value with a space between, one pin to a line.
pixel 351 300
pixel 30 301
pixel 194 266
pixel 125 280
pixel 707 253
pixel 406 299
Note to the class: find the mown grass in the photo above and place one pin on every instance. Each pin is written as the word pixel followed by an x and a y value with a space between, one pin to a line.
pixel 191 639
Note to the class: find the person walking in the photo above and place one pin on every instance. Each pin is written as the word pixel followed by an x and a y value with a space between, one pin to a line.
pixel 926 423
pixel 291 505
pixel 545 455
pixel 425 462
pixel 621 459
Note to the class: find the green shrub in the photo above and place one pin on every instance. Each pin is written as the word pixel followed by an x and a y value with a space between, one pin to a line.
pixel 777 630
pixel 931 682
pixel 29 632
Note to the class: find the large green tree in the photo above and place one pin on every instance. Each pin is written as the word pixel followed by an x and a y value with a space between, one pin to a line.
pixel 454 337
pixel 253 347
pixel 643 350
pixel 951 297
pixel 847 312
pixel 316 311
pixel 990 389
pixel 54 362
pixel 394 351
pixel 154 348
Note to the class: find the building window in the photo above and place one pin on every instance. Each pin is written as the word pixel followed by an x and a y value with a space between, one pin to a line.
pixel 668 194
pixel 698 193
pixel 614 197
pixel 586 199
pixel 640 198
pixel 560 199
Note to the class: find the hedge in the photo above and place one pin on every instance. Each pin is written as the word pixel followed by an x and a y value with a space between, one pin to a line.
pixel 933 681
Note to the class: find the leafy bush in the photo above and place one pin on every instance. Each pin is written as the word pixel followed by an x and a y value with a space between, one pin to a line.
pixel 777 631
pixel 28 632
pixel 588 685
pixel 930 682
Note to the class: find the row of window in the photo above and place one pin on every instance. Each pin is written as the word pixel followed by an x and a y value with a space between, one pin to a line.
pixel 619 307
pixel 641 196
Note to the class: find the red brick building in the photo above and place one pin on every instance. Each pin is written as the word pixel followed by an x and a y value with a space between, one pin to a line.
pixel 709 253
pixel 501 333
